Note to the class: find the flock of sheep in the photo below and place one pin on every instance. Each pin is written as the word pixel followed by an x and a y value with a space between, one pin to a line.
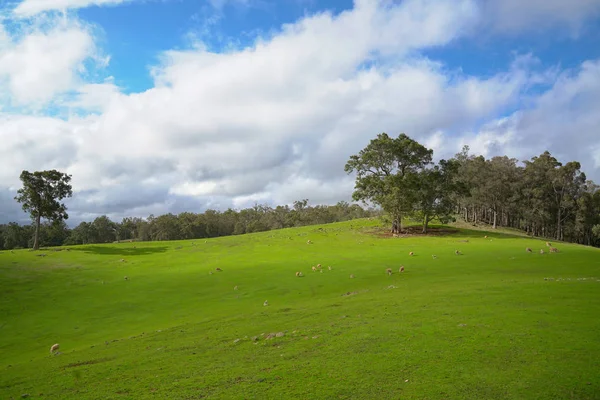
pixel 318 267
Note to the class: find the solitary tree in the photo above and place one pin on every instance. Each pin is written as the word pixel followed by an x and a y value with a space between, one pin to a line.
pixel 40 196
pixel 383 170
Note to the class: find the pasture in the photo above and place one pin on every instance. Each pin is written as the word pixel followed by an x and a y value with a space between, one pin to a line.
pixel 495 322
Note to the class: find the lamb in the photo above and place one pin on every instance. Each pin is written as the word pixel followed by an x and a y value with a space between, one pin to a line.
pixel 548 244
pixel 319 266
pixel 351 276
pixel 541 251
pixel 54 348
pixel 411 254
pixel 389 271
pixel 402 268
pixel 126 278
pixel 553 250
pixel 265 303
pixel 308 242
pixel 528 250
pixel 329 268
pixel 235 288
pixel 433 256
pixel 218 269
pixel 314 269
pixel 298 274
pixel 458 253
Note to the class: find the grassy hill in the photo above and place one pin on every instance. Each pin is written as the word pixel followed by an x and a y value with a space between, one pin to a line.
pixel 496 322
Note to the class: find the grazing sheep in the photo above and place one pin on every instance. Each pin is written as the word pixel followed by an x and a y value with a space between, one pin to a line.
pixel 541 251
pixel 126 278
pixel 553 250
pixel 351 276
pixel 235 288
pixel 411 254
pixel 218 269
pixel 528 250
pixel 329 268
pixel 389 271
pixel 548 244
pixel 265 303
pixel 298 274
pixel 485 237
pixel 458 253
pixel 401 268
pixel 314 269
pixel 308 242
pixel 54 348
pixel 319 266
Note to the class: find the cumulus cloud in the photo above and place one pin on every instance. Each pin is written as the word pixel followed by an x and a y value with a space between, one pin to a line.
pixel 44 60
pixel 276 122
pixel 28 8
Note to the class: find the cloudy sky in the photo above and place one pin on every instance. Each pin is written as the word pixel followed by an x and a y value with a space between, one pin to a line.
pixel 157 106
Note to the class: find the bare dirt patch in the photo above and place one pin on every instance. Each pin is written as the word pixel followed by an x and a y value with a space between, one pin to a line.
pixel 411 231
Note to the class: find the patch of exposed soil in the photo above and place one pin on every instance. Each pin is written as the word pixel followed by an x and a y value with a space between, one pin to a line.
pixel 412 231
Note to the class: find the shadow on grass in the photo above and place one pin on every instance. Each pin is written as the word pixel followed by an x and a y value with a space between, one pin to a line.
pixel 442 230
pixel 128 251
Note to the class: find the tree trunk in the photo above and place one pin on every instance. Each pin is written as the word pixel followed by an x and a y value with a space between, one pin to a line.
pixel 396 224
pixel 36 242
pixel 558 227
pixel 495 216
pixel 425 223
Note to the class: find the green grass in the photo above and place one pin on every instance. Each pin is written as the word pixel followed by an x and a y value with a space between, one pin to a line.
pixel 482 325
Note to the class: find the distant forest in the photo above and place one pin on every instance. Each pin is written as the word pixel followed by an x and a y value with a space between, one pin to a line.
pixel 187 225
pixel 541 197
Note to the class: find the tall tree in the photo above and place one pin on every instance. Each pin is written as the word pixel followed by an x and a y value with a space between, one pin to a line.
pixel 41 194
pixel 383 169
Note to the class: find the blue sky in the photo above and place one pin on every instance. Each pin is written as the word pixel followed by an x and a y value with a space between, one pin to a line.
pixel 180 105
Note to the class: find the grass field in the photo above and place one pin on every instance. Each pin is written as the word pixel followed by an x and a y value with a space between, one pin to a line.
pixel 493 323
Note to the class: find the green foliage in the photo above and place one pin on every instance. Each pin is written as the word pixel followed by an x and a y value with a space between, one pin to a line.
pixel 41 194
pixel 385 174
pixel 483 325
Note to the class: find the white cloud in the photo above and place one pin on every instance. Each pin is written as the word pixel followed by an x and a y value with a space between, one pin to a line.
pixel 41 63
pixel 28 8
pixel 276 122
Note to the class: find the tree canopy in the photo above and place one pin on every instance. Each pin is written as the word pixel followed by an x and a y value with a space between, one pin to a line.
pixel 41 194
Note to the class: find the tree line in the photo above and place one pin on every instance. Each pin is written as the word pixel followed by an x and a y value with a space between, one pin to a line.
pixel 187 225
pixel 542 197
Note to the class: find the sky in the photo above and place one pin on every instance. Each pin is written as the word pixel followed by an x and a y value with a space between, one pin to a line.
pixel 158 106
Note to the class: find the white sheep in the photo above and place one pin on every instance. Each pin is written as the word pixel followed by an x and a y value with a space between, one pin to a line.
pixel 265 303
pixel 54 348
pixel 401 268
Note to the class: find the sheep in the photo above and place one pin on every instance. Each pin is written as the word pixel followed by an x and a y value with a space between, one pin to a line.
pixel 401 268
pixel 541 251
pixel 548 244
pixel 485 237
pixel 433 256
pixel 458 253
pixel 351 276
pixel 265 303
pixel 308 241
pixel 528 250
pixel 411 254
pixel 210 272
pixel 218 269
pixel 235 288
pixel 126 278
pixel 319 266
pixel 314 269
pixel 298 274
pixel 553 250
pixel 329 268
pixel 389 271
pixel 54 348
